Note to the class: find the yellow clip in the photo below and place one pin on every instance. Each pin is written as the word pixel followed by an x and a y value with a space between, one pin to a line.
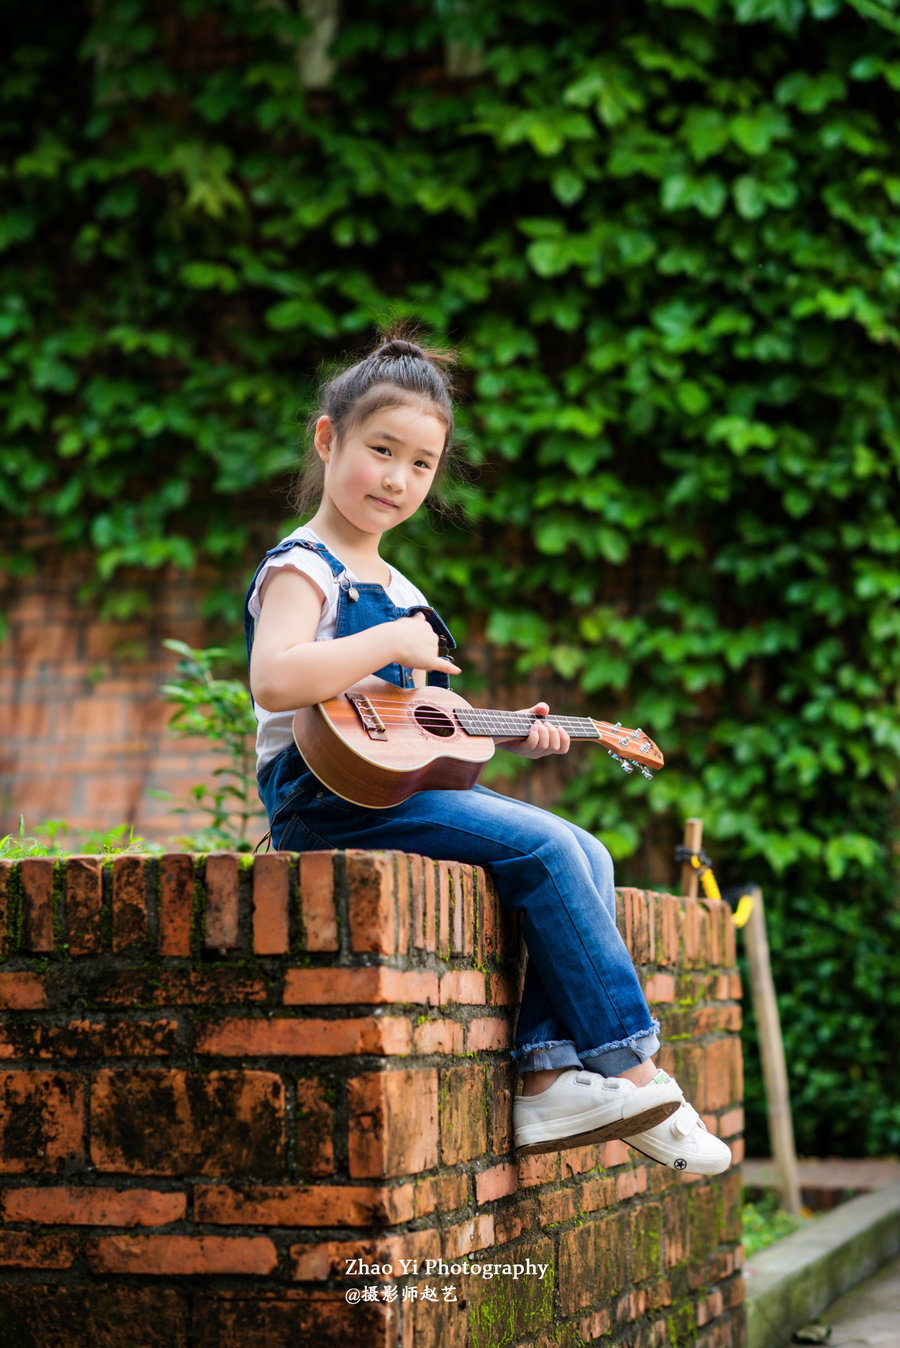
pixel 707 879
pixel 743 910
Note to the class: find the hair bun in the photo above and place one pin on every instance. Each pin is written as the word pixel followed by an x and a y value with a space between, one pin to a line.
pixel 397 347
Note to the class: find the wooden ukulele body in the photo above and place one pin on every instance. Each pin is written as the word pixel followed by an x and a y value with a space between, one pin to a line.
pixel 420 746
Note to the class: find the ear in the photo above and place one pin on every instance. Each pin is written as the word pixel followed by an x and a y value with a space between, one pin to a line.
pixel 324 438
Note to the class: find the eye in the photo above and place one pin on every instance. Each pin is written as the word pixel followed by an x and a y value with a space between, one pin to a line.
pixel 381 449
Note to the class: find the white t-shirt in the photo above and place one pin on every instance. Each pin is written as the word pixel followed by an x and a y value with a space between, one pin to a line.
pixel 274 731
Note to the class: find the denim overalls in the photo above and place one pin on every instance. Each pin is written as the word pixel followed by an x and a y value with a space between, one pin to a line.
pixel 582 1004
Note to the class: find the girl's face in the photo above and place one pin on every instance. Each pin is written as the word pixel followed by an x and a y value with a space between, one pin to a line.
pixel 381 471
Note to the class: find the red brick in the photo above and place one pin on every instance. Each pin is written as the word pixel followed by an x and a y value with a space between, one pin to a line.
pixel 463 898
pixel 512 1222
pixel 540 1169
pixel 505 990
pixel 475 1233
pixel 216 1123
pixel 246 1038
pixel 440 1193
pixel 724 1078
pixel 717 914
pixel 370 902
pixel 439 1036
pixel 37 876
pixel 271 877
pixel 557 1206
pixel 307 1317
pixel 8 876
pixel 594 1195
pixel 233 1319
pixel 315 1122
pixel 593 1261
pixel 331 1259
pixel 464 986
pixel 579 1160
pixel 317 909
pixel 403 903
pixel 81 1315
pixel 176 903
pixel 84 903
pixel 488 1034
pixel 422 873
pixel 364 985
pixel 24 1249
pixel 634 920
pixel 315 1205
pixel 84 1039
pixel 497 1182
pixel 22 992
pixel 220 925
pixel 393 1127
pixel 182 1256
pixel 689 953
pixel 175 987
pixel 463 1114
pixel 660 987
pixel 442 904
pixel 501 1089
pixel 41 1121
pixel 64 1206
pixel 731 1124
pixel 667 928
pixel 129 902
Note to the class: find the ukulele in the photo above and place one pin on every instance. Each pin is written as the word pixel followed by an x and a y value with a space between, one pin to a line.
pixel 377 744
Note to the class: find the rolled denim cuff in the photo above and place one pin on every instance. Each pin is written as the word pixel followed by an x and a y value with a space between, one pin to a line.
pixel 611 1060
pixel 541 1057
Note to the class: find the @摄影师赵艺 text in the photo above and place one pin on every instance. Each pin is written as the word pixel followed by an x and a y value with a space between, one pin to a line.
pixel 358 1268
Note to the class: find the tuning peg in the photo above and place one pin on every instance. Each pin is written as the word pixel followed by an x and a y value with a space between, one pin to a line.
pixel 626 766
pixel 645 772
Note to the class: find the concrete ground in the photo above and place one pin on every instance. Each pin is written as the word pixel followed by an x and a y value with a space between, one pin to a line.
pixel 868 1316
pixel 842 1270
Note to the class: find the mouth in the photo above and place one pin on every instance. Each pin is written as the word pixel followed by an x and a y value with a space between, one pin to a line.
pixel 383 501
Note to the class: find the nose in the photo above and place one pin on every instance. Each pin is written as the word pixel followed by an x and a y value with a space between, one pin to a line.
pixel 392 477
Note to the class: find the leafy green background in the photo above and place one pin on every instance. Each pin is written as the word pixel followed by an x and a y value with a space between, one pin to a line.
pixel 665 238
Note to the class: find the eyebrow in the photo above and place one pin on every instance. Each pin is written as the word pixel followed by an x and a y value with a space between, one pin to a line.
pixel 398 440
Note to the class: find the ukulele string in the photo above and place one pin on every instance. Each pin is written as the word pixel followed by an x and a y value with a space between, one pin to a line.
pixel 488 723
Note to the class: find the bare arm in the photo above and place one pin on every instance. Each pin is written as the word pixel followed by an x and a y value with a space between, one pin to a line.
pixel 290 669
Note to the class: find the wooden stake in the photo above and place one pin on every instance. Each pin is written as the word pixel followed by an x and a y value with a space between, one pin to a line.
pixel 771 1051
pixel 693 841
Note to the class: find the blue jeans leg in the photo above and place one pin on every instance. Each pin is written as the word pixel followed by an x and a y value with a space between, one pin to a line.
pixel 583 1004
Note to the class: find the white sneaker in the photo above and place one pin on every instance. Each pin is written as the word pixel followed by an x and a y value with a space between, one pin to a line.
pixel 583 1107
pixel 683 1143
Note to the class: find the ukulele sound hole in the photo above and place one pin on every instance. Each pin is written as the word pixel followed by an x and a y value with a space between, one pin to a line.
pixel 435 722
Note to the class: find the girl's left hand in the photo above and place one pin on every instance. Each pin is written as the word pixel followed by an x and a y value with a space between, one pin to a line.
pixel 542 738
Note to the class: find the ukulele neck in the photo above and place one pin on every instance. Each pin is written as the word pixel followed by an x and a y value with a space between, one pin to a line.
pixel 513 725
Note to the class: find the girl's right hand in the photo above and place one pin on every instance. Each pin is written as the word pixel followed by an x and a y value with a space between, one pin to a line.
pixel 418 646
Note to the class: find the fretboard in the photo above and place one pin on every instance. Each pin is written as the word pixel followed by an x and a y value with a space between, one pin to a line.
pixel 511 725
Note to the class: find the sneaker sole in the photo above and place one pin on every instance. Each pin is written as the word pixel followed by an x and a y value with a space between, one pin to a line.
pixel 619 1128
pixel 690 1168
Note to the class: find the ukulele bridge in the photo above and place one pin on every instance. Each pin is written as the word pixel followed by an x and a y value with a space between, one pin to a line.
pixel 371 721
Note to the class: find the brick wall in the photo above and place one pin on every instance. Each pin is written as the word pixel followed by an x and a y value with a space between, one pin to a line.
pixel 226 1078
pixel 83 729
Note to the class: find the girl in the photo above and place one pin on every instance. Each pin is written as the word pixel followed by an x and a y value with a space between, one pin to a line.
pixel 324 611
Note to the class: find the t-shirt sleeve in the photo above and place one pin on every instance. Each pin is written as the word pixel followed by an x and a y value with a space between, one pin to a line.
pixel 308 563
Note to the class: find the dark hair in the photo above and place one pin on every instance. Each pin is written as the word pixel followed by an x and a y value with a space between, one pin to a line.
pixel 398 372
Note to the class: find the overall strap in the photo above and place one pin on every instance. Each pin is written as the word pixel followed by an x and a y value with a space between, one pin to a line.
pixel 286 545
